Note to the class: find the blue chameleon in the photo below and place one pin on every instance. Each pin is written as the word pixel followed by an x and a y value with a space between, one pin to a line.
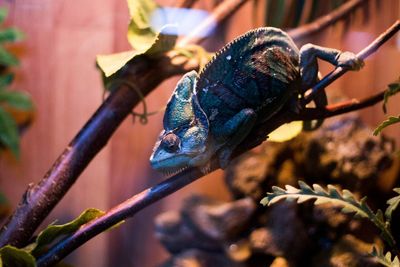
pixel 247 82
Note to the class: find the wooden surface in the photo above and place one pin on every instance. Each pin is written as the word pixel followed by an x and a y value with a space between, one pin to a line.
pixel 58 69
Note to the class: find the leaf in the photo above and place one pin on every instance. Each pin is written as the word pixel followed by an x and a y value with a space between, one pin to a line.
pixel 53 232
pixel 392 89
pixel 333 195
pixel 140 34
pixel 16 99
pixel 6 80
pixel 11 35
pixel 385 259
pixel 286 131
pixel 391 120
pixel 110 64
pixel 9 132
pixel 3 14
pixel 14 257
pixel 393 203
pixel 7 59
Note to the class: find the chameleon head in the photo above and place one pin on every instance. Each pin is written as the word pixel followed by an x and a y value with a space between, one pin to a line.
pixel 185 133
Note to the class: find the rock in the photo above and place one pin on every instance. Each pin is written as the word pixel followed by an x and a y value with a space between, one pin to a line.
pixel 177 235
pixel 221 222
pixel 203 224
pixel 283 235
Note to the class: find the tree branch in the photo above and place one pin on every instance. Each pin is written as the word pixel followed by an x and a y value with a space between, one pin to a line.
pixel 339 71
pixel 39 200
pixel 334 110
pixel 321 23
pixel 131 206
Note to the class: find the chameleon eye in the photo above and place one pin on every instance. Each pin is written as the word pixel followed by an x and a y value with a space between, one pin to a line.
pixel 170 142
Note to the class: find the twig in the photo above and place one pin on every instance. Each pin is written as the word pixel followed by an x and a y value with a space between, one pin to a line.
pixel 339 71
pixel 325 21
pixel 323 113
pixel 147 197
pixel 41 199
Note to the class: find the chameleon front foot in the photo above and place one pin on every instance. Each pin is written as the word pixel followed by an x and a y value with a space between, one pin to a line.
pixel 349 60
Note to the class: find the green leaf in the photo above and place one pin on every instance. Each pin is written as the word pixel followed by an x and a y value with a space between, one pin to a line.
pixel 392 89
pixel 140 33
pixel 9 132
pixel 385 259
pixel 11 35
pixel 14 257
pixel 110 64
pixel 391 120
pixel 53 232
pixel 3 14
pixel 6 80
pixel 333 195
pixel 16 99
pixel 7 59
pixel 393 203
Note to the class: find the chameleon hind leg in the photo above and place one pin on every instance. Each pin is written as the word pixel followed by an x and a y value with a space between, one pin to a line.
pixel 235 131
pixel 309 54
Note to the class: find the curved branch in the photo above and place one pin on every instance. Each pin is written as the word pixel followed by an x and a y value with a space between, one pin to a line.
pixel 131 206
pixel 39 200
pixel 321 23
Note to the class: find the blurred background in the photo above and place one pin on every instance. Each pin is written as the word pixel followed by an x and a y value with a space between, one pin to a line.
pixel 58 70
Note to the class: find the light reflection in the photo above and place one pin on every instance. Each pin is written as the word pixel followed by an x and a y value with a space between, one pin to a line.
pixel 184 18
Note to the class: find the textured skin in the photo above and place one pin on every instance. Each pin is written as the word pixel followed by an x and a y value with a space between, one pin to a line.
pixel 246 83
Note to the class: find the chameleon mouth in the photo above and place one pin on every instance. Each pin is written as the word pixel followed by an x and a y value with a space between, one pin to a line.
pixel 171 172
pixel 170 165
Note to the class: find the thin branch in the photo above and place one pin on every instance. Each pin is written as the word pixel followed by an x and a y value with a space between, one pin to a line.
pixel 330 111
pixel 149 196
pixel 339 71
pixel 321 23
pixel 39 200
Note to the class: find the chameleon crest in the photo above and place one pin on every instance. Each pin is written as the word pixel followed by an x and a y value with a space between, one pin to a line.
pixel 246 83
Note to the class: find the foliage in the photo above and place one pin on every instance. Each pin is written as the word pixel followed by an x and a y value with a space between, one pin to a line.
pixel 25 257
pixel 332 195
pixel 13 104
pixel 392 89
pixel 143 39
pixel 14 257
pixel 393 203
pixel 391 120
pixel 385 259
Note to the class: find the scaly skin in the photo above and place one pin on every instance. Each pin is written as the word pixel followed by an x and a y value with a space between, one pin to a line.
pixel 246 83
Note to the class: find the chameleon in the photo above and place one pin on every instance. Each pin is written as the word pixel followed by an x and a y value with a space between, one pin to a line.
pixel 246 83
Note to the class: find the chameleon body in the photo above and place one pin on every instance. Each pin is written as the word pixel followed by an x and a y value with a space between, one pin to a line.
pixel 246 83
